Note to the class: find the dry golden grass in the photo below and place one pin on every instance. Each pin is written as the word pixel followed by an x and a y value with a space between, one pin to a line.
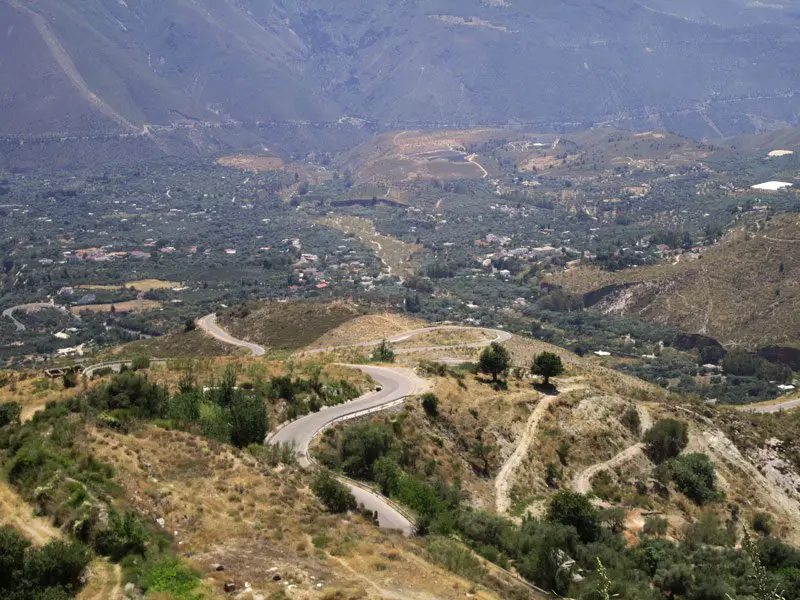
pixel 32 390
pixel 249 162
pixel 223 507
pixel 745 290
pixel 15 512
pixel 368 328
pixel 138 305
pixel 446 338
pixel 193 344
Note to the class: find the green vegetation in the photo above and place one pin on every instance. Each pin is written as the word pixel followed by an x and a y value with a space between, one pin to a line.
pixel 52 572
pixel 494 360
pixel 9 413
pixel 332 493
pixel 547 365
pixel 694 475
pixel 666 439
pixel 383 353
pixel 430 404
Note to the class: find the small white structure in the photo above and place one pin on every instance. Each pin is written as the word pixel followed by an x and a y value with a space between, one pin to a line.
pixel 602 353
pixel 771 186
pixel 779 153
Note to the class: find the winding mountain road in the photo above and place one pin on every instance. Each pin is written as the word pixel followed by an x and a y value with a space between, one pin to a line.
pixel 33 306
pixel 209 325
pixel 394 385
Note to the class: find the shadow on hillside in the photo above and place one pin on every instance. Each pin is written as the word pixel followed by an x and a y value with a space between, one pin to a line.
pixel 501 385
pixel 550 389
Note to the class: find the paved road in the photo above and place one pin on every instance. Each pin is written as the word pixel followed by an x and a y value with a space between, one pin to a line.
pixel 209 325
pixel 116 366
pixel 771 408
pixel 395 385
pixel 9 312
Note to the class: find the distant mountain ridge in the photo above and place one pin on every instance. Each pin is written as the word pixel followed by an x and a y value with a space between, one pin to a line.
pixel 709 69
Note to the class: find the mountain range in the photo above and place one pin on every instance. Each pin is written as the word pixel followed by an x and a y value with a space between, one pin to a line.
pixel 707 69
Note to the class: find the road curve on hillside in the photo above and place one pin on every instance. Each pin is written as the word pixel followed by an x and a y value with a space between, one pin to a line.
pixel 500 336
pixel 209 325
pixel 393 386
pixel 9 312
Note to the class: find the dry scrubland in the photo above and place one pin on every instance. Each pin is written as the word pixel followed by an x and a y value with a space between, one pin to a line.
pixel 745 290
pixel 287 325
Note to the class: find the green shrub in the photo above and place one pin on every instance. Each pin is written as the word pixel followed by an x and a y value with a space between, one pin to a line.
pixel 51 571
pixel 333 494
pixel 169 577
pixel 494 360
pixel 386 473
pixel 430 404
pixel 248 420
pixel 455 558
pixel 632 421
pixel 655 526
pixel 666 439
pixel 763 523
pixel 383 353
pixel 140 363
pixel 9 413
pixel 547 365
pixel 214 423
pixel 694 475
pixel 362 445
pixel 573 509
pixel 125 535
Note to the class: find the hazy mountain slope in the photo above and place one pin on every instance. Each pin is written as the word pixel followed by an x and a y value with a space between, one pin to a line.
pixel 743 291
pixel 555 64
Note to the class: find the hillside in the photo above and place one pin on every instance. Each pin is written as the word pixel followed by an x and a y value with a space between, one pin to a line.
pixel 742 291
pixel 187 68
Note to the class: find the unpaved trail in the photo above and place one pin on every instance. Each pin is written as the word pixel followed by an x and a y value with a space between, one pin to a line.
pixel 472 158
pixel 505 478
pixel 16 512
pixel 583 481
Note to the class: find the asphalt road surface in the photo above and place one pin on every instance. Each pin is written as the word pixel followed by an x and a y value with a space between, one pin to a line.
pixel 395 384
pixel 209 325
pixel 772 408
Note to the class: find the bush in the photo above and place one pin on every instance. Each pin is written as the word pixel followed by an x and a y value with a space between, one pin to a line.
pixel 52 571
pixel 632 421
pixel 455 558
pixel 130 391
pixel 694 475
pixel 69 380
pixel 430 404
pixel 140 363
pixel 655 526
pixel 167 576
pixel 248 420
pixel 573 509
pixel 9 413
pixel 124 535
pixel 665 440
pixel 763 523
pixel 383 353
pixel 362 445
pixel 336 496
pixel 386 473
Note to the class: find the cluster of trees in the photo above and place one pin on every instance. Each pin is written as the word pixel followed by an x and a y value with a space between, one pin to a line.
pixel 495 360
pixel 50 572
